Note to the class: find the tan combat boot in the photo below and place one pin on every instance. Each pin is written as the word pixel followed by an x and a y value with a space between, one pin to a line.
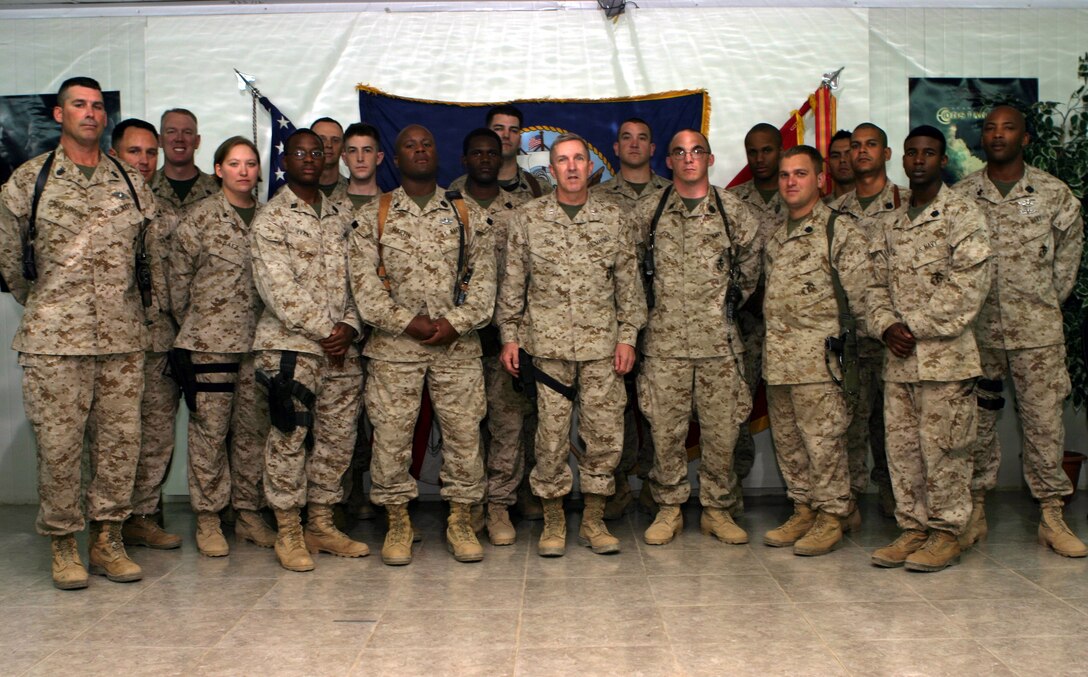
pixel 666 525
pixel 529 505
pixel 500 530
pixel 397 549
pixel 894 555
pixel 976 528
pixel 145 531
pixel 108 557
pixel 620 502
pixel 941 550
pixel 852 521
pixel 321 535
pixel 553 539
pixel 290 545
pixel 593 533
pixel 209 535
pixel 461 539
pixel 250 526
pixel 795 527
pixel 1056 534
pixel 825 534
pixel 719 524
pixel 68 571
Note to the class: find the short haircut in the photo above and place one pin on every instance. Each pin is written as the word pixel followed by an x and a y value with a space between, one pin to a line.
pixel 566 136
pixel 766 128
pixel 841 135
pixel 78 81
pixel 179 111
pixel 363 129
pixel 638 121
pixel 224 149
pixel 809 151
pixel 880 132
pixel 693 131
pixel 326 119
pixel 302 132
pixel 930 132
pixel 504 109
pixel 130 123
pixel 478 133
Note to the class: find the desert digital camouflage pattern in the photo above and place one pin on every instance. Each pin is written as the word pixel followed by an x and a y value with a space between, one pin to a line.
pixel 205 187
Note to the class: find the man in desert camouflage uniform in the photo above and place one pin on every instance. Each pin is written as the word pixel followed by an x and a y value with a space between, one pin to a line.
pixel 217 306
pixel 635 184
pixel 809 412
pixel 874 205
pixel 572 297
pixel 334 185
pixel 1037 233
pixel 82 337
pixel 700 245
pixel 137 143
pixel 763 148
pixel 180 183
pixel 425 295
pixel 511 416
pixel 934 260
pixel 839 166
pixel 306 354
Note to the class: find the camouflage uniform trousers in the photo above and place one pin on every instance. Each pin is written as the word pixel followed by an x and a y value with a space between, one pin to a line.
pixel 510 427
pixel 808 425
pixel 1041 383
pixel 294 476
pixel 360 456
pixel 930 432
pixel 751 330
pixel 68 398
pixel 218 477
pixel 601 400
pixel 394 391
pixel 670 389
pixel 866 431
pixel 158 413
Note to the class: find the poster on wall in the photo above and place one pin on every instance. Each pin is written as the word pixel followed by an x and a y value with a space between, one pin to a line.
pixel 957 107
pixel 597 120
pixel 27 127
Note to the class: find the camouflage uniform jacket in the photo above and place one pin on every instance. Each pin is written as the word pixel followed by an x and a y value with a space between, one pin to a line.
pixel 300 267
pixel 339 195
pixel 85 300
pixel 571 289
pixel 936 271
pixel 420 251
pixel 771 214
pixel 620 191
pixel 159 315
pixel 691 273
pixel 1037 235
pixel 880 213
pixel 205 186
pixel 211 279
pixel 799 306
pixel 520 190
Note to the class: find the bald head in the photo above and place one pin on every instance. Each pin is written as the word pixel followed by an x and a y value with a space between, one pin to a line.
pixel 415 154
pixel 1004 136
pixel 410 131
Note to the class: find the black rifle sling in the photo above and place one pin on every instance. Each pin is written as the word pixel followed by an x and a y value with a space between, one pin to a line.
pixel 648 268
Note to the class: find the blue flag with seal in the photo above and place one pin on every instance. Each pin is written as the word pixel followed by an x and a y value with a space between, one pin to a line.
pixel 597 120
pixel 281 129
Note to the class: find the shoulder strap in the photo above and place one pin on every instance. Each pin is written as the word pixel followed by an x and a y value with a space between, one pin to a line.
pixel 836 283
pixel 657 217
pixel 895 196
pixel 39 186
pixel 648 267
pixel 534 185
pixel 464 273
pixel 384 203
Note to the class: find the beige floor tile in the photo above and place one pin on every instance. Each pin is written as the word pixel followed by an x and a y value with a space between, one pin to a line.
pixel 575 627
pixel 276 662
pixel 301 628
pixel 634 661
pixel 109 661
pixel 758 658
pixel 987 619
pixel 741 622
pixel 930 657
pixel 471 662
pixel 618 591
pixel 879 620
pixel 408 629
pixel 874 585
pixel 1051 656
pixel 710 589
pixel 160 627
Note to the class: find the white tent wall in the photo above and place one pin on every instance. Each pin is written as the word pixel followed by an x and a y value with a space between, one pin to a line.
pixel 757 64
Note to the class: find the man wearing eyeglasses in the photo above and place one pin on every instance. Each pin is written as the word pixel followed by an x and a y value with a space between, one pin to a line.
pixel 700 246
pixel 306 355
pixel 635 183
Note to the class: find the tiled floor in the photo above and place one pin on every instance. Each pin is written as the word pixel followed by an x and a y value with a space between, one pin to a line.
pixel 695 607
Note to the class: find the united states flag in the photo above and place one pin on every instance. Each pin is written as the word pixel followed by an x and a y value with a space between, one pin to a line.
pixel 281 129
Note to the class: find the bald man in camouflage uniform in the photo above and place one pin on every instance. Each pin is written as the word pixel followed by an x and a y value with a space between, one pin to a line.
pixel 634 184
pixel 82 338
pixel 934 259
pixel 572 298
pixel 701 245
pixel 307 355
pixel 808 410
pixel 1037 231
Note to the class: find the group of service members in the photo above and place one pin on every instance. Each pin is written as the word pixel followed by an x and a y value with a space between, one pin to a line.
pixel 511 302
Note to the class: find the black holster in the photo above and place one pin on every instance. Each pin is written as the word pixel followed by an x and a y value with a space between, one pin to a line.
pixel 180 367
pixel 283 391
pixel 529 376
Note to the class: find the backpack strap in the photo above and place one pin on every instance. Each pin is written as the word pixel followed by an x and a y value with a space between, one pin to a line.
pixel 384 203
